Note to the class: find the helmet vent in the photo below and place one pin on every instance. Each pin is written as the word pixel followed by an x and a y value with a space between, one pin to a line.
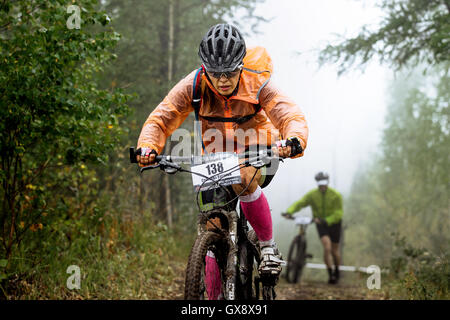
pixel 230 47
pixel 210 46
pixel 222 48
pixel 219 47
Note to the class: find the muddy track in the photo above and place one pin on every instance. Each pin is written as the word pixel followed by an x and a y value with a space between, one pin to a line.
pixel 321 290
pixel 347 289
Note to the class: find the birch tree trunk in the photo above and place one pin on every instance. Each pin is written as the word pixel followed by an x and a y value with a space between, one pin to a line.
pixel 169 210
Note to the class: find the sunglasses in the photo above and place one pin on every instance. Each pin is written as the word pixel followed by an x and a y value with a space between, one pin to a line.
pixel 229 74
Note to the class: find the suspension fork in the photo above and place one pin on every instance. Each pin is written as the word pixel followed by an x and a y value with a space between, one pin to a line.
pixel 302 230
pixel 231 269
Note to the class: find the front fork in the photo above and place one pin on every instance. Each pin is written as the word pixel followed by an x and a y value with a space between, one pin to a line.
pixel 231 270
pixel 237 237
pixel 237 233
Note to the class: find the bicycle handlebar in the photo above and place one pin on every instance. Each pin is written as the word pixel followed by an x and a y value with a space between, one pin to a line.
pixel 168 164
pixel 291 217
pixel 171 161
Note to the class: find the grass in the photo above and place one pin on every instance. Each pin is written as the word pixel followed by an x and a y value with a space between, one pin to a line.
pixel 117 264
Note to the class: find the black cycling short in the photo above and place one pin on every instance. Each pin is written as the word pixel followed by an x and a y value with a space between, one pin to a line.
pixel 333 231
pixel 267 174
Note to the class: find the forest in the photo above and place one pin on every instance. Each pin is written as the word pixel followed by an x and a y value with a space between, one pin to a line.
pixel 76 87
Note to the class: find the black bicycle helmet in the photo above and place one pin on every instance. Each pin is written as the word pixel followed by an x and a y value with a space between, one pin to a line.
pixel 322 176
pixel 222 48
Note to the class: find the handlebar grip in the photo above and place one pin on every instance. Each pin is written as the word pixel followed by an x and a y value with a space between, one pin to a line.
pixel 285 143
pixel 134 154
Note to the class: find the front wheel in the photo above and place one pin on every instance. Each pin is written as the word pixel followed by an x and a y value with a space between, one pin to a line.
pixel 296 259
pixel 195 281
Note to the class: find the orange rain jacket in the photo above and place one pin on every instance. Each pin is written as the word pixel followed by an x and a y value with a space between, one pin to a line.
pixel 279 117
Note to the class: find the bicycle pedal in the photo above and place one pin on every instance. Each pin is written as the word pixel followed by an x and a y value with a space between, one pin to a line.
pixel 270 270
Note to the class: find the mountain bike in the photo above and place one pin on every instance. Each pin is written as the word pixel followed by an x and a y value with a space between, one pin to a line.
pixel 297 251
pixel 221 230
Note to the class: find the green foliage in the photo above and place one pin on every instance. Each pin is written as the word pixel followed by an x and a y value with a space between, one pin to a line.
pixel 419 273
pixel 404 191
pixel 68 193
pixel 412 32
pixel 53 116
pixel 416 162
pixel 143 54
pixel 118 259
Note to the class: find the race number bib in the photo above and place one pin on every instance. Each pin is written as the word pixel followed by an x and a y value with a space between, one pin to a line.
pixel 222 169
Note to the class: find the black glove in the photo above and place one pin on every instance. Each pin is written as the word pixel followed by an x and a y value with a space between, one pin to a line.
pixel 295 145
pixel 287 215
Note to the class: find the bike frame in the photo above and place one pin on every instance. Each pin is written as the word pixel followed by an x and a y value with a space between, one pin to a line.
pixel 302 229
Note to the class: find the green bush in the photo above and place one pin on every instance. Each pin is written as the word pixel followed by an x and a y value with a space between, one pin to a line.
pixel 419 274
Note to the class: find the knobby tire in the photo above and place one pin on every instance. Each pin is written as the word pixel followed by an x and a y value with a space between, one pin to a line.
pixel 296 259
pixel 195 287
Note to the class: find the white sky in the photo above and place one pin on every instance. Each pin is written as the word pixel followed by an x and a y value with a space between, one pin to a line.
pixel 345 115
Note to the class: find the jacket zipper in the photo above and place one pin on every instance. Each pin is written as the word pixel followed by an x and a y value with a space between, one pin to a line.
pixel 228 125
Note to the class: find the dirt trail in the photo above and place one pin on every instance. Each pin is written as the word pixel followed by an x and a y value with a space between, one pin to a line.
pixel 321 290
pixel 176 289
pixel 347 289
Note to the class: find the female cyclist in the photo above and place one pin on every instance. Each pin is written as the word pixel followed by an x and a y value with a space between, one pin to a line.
pixel 237 98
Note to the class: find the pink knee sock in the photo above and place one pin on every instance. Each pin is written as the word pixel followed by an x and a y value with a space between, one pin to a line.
pixel 256 210
pixel 212 277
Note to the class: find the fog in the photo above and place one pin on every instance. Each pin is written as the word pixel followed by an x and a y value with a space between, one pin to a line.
pixel 345 114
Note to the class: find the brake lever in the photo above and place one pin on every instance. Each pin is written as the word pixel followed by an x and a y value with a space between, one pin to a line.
pixel 258 164
pixel 165 163
pixel 169 167
pixel 153 166
pixel 287 216
pixel 262 161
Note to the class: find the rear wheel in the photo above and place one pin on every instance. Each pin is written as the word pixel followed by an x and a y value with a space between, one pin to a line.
pixel 195 285
pixel 245 289
pixel 269 293
pixel 248 268
pixel 296 259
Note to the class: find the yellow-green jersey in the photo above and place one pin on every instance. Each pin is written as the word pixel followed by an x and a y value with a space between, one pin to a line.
pixel 327 206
